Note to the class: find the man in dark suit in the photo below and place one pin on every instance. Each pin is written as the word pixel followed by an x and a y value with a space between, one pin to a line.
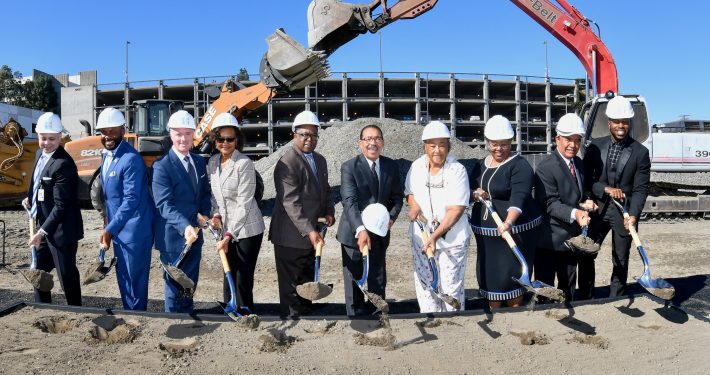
pixel 182 197
pixel 128 209
pixel 54 206
pixel 365 179
pixel 617 167
pixel 302 196
pixel 558 189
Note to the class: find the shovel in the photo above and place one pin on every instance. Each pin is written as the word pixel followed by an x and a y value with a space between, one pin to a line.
pixel 316 290
pixel 434 286
pixel 98 269
pixel 658 287
pixel 240 314
pixel 39 279
pixel 380 304
pixel 536 287
pixel 174 271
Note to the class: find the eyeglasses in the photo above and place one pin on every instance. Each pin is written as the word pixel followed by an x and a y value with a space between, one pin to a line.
pixel 312 136
pixel 228 139
pixel 372 139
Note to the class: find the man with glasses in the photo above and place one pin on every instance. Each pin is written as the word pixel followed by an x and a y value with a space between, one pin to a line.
pixel 302 196
pixel 365 179
pixel 617 167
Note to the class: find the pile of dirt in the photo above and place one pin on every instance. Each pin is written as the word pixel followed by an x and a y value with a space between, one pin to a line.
pixel 339 143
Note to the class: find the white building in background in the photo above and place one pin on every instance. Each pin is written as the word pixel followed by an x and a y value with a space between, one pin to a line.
pixel 26 117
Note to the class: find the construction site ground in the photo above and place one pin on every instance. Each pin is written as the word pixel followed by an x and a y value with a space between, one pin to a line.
pixel 633 334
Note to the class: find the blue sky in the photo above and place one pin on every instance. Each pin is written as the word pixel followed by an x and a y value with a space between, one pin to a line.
pixel 661 49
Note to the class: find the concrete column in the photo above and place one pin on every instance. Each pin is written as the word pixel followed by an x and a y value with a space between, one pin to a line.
pixel 345 95
pixel 196 98
pixel 518 117
pixel 486 98
pixel 161 87
pixel 127 104
pixel 382 95
pixel 270 121
pixel 417 97
pixel 548 114
pixel 452 97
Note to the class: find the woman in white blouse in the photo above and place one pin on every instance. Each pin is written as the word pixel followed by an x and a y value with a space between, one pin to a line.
pixel 234 208
pixel 437 190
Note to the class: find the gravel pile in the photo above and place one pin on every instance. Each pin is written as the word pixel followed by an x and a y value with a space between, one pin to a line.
pixel 339 143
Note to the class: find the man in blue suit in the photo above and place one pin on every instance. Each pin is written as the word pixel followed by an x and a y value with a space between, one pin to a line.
pixel 182 193
pixel 128 210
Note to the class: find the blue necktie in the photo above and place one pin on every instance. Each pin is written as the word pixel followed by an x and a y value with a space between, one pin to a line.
pixel 35 183
pixel 312 164
pixel 191 172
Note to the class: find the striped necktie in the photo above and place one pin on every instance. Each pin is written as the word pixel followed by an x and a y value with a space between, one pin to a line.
pixel 36 182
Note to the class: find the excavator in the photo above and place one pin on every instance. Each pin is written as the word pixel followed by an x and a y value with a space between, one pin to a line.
pixel 288 66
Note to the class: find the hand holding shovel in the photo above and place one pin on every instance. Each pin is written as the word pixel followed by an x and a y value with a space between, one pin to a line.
pixel 174 271
pixel 38 278
pixel 434 286
pixel 581 243
pixel 658 287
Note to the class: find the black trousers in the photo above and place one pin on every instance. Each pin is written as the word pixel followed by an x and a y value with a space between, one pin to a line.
pixel 570 268
pixel 376 277
pixel 242 258
pixel 294 267
pixel 610 219
pixel 50 256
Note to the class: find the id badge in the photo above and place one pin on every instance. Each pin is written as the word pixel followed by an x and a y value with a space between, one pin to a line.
pixel 40 195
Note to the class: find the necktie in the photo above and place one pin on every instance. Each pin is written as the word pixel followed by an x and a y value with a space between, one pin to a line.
pixel 571 169
pixel 191 173
pixel 35 184
pixel 312 164
pixel 375 180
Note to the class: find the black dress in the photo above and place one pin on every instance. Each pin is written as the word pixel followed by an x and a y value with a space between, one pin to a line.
pixel 509 185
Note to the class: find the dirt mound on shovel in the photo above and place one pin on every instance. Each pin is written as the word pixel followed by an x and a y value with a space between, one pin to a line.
pixel 39 279
pixel 663 293
pixel 313 291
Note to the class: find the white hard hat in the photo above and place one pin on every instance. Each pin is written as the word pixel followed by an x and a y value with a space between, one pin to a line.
pixel 109 118
pixel 619 108
pixel 181 120
pixel 498 128
pixel 305 118
pixel 435 129
pixel 376 219
pixel 224 119
pixel 570 124
pixel 49 123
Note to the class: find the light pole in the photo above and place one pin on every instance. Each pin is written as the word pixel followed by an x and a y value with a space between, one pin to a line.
pixel 126 71
pixel 547 67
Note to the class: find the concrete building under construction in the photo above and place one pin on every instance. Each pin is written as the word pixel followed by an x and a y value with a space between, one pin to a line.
pixel 462 100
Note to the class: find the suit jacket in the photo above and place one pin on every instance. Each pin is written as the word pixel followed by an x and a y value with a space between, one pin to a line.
pixel 558 194
pixel 129 207
pixel 176 201
pixel 59 215
pixel 357 192
pixel 233 195
pixel 633 173
pixel 301 199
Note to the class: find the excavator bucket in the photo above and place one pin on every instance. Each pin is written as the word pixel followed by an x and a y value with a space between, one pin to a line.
pixel 332 23
pixel 289 65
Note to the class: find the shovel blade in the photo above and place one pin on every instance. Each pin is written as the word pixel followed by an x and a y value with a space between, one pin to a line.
pixel 39 279
pixel 179 277
pixel 658 287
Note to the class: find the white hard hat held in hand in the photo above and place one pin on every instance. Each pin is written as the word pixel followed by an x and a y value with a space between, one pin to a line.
pixel 435 129
pixel 48 122
pixel 305 118
pixel 181 120
pixel 570 124
pixel 110 118
pixel 376 219
pixel 498 128
pixel 619 108
pixel 224 119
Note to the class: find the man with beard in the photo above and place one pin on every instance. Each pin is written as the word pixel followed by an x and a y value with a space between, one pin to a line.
pixel 128 210
pixel 617 167
pixel 302 196
pixel 365 179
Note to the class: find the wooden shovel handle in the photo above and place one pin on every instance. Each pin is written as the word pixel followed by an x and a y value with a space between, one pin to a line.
pixel 632 230
pixel 225 263
pixel 319 248
pixel 191 240
pixel 365 251
pixel 429 251
pixel 506 235
pixel 32 227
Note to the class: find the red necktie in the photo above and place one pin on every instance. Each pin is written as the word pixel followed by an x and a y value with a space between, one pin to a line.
pixel 571 169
